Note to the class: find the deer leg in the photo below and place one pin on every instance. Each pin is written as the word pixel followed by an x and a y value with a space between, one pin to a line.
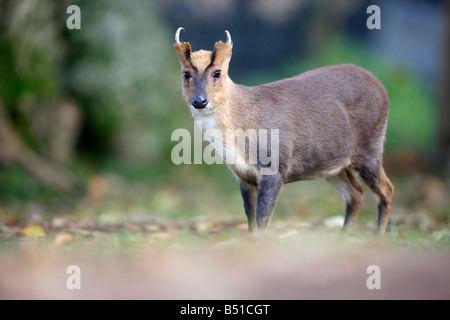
pixel 351 191
pixel 249 193
pixel 378 182
pixel 268 193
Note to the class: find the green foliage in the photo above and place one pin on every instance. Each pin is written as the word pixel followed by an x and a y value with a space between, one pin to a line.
pixel 30 52
pixel 122 69
pixel 30 60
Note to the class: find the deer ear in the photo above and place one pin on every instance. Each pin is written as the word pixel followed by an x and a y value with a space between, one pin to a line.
pixel 183 50
pixel 221 53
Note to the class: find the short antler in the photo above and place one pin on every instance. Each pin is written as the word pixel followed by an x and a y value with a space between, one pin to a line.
pixel 177 34
pixel 228 37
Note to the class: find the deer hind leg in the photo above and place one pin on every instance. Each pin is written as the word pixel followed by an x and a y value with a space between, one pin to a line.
pixel 351 191
pixel 378 182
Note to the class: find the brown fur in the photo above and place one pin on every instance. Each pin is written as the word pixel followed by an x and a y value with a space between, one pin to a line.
pixel 332 121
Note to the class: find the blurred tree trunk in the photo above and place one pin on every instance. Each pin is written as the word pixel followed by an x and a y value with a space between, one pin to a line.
pixel 443 134
pixel 54 126
pixel 31 111
pixel 13 150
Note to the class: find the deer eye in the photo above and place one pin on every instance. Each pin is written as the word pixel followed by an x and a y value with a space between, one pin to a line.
pixel 186 75
pixel 216 74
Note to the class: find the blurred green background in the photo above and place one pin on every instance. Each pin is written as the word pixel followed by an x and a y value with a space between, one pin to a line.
pixel 86 115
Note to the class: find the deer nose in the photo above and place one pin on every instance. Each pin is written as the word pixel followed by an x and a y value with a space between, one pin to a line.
pixel 199 101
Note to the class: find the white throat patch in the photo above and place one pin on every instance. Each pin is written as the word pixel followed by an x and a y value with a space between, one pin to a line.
pixel 207 115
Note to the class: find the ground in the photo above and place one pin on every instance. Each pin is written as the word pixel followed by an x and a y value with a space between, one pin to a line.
pixel 188 240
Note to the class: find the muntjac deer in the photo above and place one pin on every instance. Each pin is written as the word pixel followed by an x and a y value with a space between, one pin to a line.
pixel 331 124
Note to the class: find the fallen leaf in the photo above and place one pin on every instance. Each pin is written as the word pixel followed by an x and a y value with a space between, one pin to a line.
pixel 203 227
pixel 133 227
pixel 59 222
pixel 161 235
pixel 62 238
pixel 242 226
pixel 441 234
pixel 152 228
pixel 34 231
pixel 334 222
